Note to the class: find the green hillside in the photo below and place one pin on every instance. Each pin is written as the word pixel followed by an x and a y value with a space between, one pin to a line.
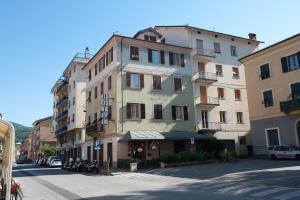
pixel 21 131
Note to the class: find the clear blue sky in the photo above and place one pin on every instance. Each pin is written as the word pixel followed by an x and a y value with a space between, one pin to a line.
pixel 38 38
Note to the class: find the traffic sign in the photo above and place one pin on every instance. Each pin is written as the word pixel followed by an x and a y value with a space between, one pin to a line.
pixel 97 144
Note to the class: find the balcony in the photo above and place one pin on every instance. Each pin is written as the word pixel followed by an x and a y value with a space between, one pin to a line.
pixel 205 126
pixel 61 130
pixel 64 83
pixel 205 77
pixel 291 106
pixel 94 127
pixel 62 100
pixel 207 101
pixel 61 115
pixel 204 55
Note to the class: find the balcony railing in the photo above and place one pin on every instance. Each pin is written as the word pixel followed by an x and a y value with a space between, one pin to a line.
pixel 205 125
pixel 61 115
pixel 205 52
pixel 291 105
pixel 60 130
pixel 94 127
pixel 83 56
pixel 205 76
pixel 206 100
pixel 64 98
pixel 64 82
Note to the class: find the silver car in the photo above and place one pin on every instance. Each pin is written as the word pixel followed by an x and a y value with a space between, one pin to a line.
pixel 280 152
pixel 55 163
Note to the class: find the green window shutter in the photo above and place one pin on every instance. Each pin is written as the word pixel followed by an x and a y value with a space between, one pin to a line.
pixel 143 112
pixel 284 64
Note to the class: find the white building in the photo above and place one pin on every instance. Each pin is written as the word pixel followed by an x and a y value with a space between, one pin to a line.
pixel 69 109
pixel 220 95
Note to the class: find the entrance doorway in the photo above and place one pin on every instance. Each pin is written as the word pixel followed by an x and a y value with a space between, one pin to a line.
pixel 204 118
pixel 109 154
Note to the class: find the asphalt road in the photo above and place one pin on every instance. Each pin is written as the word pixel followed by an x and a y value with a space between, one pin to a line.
pixel 245 179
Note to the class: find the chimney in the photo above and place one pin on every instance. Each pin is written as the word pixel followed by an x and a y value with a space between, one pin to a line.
pixel 86 52
pixel 252 36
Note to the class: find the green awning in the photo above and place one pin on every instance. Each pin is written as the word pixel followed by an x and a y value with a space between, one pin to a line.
pixel 156 135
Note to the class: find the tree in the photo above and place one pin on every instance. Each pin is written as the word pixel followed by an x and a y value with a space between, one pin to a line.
pixel 48 151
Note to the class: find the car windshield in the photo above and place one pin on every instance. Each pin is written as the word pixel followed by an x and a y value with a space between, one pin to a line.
pixel 56 160
pixel 295 148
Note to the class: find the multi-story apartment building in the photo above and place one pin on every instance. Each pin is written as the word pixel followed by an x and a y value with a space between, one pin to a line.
pixel 69 109
pixel 41 135
pixel 140 99
pixel 219 86
pixel 273 82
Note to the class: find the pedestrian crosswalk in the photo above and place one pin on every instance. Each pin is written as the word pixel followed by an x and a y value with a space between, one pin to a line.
pixel 224 186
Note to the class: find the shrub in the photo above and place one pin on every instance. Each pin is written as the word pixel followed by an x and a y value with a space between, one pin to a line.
pixel 181 157
pixel 227 155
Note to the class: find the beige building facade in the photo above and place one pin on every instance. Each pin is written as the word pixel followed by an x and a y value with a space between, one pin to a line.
pixel 273 82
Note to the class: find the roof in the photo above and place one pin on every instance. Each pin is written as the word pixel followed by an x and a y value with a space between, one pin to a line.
pixel 130 38
pixel 35 123
pixel 269 47
pixel 148 29
pixel 156 135
pixel 201 29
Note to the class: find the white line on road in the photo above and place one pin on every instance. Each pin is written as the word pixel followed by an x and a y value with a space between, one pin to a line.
pixel 227 189
pixel 288 196
pixel 219 185
pixel 268 192
pixel 249 189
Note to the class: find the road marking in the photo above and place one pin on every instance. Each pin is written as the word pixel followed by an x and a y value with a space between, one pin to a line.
pixel 249 189
pixel 288 195
pixel 268 192
pixel 226 189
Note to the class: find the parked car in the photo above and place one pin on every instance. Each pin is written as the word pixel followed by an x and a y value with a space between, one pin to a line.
pixel 280 152
pixel 55 163
pixel 50 159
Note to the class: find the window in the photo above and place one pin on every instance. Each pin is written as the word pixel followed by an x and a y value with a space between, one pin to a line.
pixel 264 71
pixel 217 47
pixel 150 38
pixel 177 84
pixel 239 117
pixel 109 83
pixel 95 118
pixel 156 57
pixel 156 82
pixel 90 74
pixel 219 70
pixel 236 74
pixel 134 53
pixel 73 101
pixel 135 111
pixel 101 87
pixel 101 63
pixel 73 83
pixel 96 69
pixel 96 92
pixel 176 59
pixel 73 117
pixel 89 97
pixel 273 137
pixel 291 62
pixel 89 120
pixel 158 111
pixel 109 56
pixel 221 93
pixel 179 112
pixel 222 116
pixel 295 88
pixel 237 95
pixel 134 80
pixel 74 68
pixel 242 140
pixel 233 50
pixel 268 98
pixel 109 113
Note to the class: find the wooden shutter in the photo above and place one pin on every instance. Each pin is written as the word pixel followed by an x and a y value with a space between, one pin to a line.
pixel 182 60
pixel 186 113
pixel 284 64
pixel 143 113
pixel 128 108
pixel 150 55
pixel 174 112
pixel 171 58
pixel 141 80
pixel 128 79
pixel 162 57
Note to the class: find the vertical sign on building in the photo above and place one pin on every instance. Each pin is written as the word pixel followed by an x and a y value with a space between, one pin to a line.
pixel 104 109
